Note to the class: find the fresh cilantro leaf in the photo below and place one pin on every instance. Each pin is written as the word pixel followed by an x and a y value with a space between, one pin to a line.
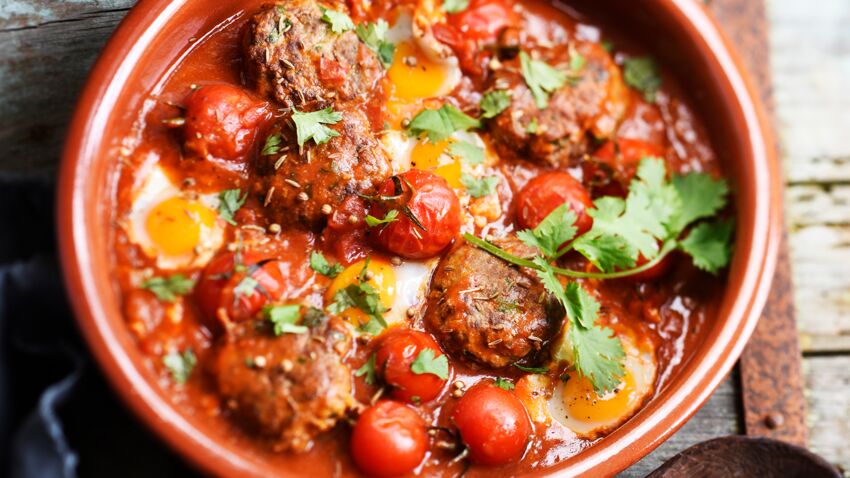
pixel 338 21
pixel 479 187
pixel 180 364
pixel 373 35
pixel 598 356
pixel 455 6
pixel 549 279
pixel 368 371
pixel 229 201
pixel 439 124
pixel 285 319
pixel 582 308
pixel 427 362
pixel 532 126
pixel 391 216
pixel 167 289
pixel 531 369
pixel 371 327
pixel 642 74
pixel 494 102
pixel 246 287
pixel 467 152
pixel 362 296
pixel 577 61
pixel 312 125
pixel 701 195
pixel 321 265
pixel 554 230
pixel 542 79
pixel 272 145
pixel 606 252
pixel 504 384
pixel 709 246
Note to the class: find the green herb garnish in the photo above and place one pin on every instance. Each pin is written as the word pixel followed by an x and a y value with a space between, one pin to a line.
pixel 167 289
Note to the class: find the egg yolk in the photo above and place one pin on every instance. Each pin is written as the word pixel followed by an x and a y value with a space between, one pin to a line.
pixel 174 225
pixel 585 405
pixel 414 75
pixel 380 276
pixel 431 157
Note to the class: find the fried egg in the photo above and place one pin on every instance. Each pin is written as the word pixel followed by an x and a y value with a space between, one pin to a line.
pixel 399 287
pixel 176 228
pixel 407 153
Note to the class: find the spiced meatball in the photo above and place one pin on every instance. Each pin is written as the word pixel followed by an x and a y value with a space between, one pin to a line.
pixel 488 311
pixel 294 57
pixel 288 388
pixel 588 107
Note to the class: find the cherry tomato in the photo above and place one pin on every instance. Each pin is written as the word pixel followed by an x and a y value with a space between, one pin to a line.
pixel 222 121
pixel 655 272
pixel 241 288
pixel 493 423
pixel 346 238
pixel 397 352
pixel 482 20
pixel 389 439
pixel 431 201
pixel 545 193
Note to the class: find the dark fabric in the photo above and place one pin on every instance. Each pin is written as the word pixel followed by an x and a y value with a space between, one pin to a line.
pixel 58 418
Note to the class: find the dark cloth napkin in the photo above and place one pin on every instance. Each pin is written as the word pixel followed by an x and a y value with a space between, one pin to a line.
pixel 58 417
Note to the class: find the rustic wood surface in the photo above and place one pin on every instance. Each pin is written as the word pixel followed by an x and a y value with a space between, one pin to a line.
pixel 47 48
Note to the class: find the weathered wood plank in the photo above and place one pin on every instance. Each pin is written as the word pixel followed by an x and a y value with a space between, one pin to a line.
pixel 828 396
pixel 17 14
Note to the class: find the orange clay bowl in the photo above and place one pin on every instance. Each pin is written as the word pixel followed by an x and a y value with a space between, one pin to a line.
pixel 155 36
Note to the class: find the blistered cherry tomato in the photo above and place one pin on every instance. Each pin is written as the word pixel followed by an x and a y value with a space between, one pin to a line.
pixel 493 423
pixel 397 351
pixel 482 20
pixel 223 121
pixel 346 238
pixel 430 200
pixel 389 439
pixel 545 193
pixel 240 285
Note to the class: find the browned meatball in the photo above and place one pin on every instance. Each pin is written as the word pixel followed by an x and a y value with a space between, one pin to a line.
pixel 486 310
pixel 295 186
pixel 288 388
pixel 589 105
pixel 294 57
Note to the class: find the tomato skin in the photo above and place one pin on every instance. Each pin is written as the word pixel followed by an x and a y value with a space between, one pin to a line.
pixel 389 439
pixel 655 272
pixel 215 290
pixel 223 121
pixel 482 20
pixel 545 193
pixel 493 423
pixel 347 239
pixel 397 351
pixel 432 202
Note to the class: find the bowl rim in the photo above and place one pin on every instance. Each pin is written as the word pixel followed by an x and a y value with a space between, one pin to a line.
pixel 617 452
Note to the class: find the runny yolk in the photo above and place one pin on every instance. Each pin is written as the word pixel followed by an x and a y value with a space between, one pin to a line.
pixel 380 276
pixel 174 225
pixel 585 405
pixel 429 156
pixel 414 75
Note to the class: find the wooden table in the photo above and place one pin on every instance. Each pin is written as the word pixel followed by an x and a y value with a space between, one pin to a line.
pixel 47 48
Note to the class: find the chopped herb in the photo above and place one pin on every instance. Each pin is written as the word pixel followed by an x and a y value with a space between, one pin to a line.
pixel 321 265
pixel 531 369
pixel 167 289
pixel 467 152
pixel 642 74
pixel 391 216
pixel 373 35
pixel 542 79
pixel 371 327
pixel 285 319
pixel 455 6
pixel 362 296
pixel 428 362
pixel 504 384
pixel 180 364
pixel 479 187
pixel 441 123
pixel 577 61
pixel 532 126
pixel 553 231
pixel 230 201
pixel 367 371
pixel 607 45
pixel 272 145
pixel 246 287
pixel 312 125
pixel 338 21
pixel 494 102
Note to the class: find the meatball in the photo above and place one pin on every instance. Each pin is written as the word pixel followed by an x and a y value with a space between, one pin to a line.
pixel 588 106
pixel 488 311
pixel 288 388
pixel 295 186
pixel 294 57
